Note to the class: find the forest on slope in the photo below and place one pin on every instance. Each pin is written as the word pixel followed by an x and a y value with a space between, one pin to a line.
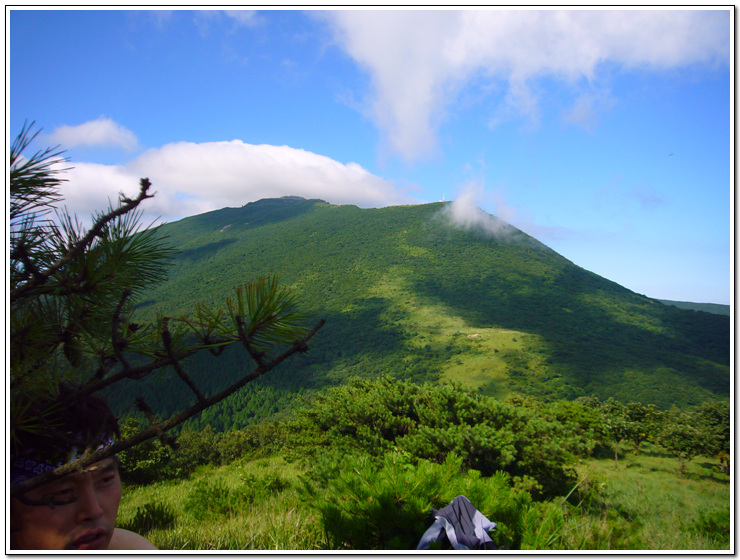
pixel 406 293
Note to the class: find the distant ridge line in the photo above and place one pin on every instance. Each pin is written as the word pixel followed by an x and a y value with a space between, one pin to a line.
pixel 716 308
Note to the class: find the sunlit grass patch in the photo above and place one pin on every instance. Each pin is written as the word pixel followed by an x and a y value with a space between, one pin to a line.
pixel 276 520
pixel 665 511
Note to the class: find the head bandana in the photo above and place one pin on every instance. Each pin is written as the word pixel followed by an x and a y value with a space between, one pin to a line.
pixel 24 468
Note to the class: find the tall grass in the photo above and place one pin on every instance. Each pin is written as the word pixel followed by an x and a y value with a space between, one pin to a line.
pixel 643 504
pixel 646 505
pixel 262 516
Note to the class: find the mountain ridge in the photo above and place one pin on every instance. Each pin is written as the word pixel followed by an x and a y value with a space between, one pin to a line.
pixel 408 294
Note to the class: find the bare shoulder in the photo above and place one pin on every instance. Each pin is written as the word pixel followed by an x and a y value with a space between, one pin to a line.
pixel 126 540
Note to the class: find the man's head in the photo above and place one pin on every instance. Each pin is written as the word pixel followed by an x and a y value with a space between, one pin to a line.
pixel 75 512
pixel 79 510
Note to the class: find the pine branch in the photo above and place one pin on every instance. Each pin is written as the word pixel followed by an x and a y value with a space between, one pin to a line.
pixel 158 428
pixel 126 205
pixel 117 346
pixel 257 356
pixel 167 340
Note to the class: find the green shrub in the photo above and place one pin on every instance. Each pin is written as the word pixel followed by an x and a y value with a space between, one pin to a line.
pixel 214 499
pixel 432 421
pixel 260 486
pixel 147 462
pixel 153 515
pixel 387 508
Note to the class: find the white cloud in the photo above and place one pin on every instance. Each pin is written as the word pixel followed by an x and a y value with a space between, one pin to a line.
pixel 420 60
pixel 466 212
pixel 102 132
pixel 193 178
pixel 246 18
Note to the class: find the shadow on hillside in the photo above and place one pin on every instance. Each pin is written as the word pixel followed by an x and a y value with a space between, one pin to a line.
pixel 205 250
pixel 339 350
pixel 598 331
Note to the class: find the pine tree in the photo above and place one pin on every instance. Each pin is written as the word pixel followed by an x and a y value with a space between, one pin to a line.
pixel 72 297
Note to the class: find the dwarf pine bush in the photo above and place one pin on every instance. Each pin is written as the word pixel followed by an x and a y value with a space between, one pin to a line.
pixel 366 508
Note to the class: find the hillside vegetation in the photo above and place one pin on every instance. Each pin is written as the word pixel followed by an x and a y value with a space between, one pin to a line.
pixel 407 294
pixel 717 308
pixel 359 467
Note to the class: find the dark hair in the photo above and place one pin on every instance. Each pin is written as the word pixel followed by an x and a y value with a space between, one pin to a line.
pixel 65 421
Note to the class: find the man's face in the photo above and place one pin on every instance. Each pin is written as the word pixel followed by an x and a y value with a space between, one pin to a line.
pixel 86 523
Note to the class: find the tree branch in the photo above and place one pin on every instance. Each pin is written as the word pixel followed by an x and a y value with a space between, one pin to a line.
pixel 158 428
pixel 126 206
pixel 167 340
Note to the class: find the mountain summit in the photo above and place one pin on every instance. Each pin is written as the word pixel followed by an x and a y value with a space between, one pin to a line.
pixel 431 292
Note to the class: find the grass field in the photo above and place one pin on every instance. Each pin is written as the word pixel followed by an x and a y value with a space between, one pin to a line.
pixel 657 509
pixel 641 504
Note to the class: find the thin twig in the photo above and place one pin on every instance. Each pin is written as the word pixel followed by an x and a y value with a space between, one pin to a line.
pixel 258 357
pixel 117 346
pixel 167 340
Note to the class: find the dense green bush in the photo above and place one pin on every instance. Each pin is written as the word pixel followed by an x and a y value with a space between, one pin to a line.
pixel 388 508
pixel 431 421
pixel 147 462
pixel 152 461
pixel 714 417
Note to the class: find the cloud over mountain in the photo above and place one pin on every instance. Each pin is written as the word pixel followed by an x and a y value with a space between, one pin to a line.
pixel 192 178
pixel 419 61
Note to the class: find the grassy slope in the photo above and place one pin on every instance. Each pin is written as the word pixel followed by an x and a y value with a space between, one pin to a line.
pixel 404 293
pixel 645 506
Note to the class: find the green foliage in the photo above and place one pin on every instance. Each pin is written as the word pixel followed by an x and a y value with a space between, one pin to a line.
pixel 353 500
pixel 214 499
pixel 387 508
pixel 147 462
pixel 714 418
pixel 616 426
pixel 684 438
pixel 432 421
pixel 645 421
pixel 153 515
pixel 396 286
pixel 72 295
pixel 152 461
pixel 583 422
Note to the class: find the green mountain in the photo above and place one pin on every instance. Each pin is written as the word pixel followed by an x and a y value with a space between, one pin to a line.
pixel 718 308
pixel 408 294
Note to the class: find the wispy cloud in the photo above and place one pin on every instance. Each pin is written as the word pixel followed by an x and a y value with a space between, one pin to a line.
pixel 466 212
pixel 246 18
pixel 102 132
pixel 419 61
pixel 586 109
pixel 205 19
pixel 191 178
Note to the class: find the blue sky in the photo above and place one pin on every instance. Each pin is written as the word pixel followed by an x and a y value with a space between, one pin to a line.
pixel 605 134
